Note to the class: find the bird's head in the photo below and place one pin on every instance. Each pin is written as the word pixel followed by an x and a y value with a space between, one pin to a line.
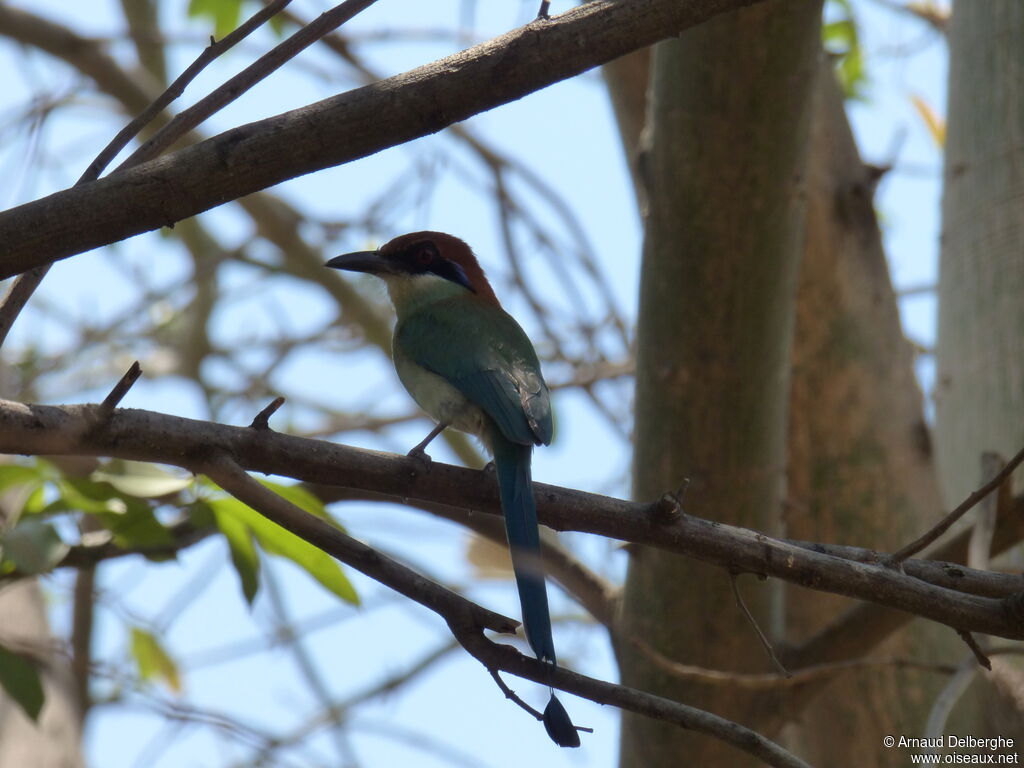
pixel 419 262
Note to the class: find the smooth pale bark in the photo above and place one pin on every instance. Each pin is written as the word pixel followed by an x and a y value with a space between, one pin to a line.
pixel 729 119
pixel 979 390
pixel 55 741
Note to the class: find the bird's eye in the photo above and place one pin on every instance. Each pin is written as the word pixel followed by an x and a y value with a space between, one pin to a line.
pixel 424 253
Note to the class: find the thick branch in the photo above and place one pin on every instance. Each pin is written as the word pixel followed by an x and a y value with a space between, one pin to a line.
pixel 339 129
pixel 149 436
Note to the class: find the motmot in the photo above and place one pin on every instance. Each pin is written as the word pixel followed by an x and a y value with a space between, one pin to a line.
pixel 470 366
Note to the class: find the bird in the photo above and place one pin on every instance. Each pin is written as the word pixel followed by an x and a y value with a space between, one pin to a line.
pixel 471 366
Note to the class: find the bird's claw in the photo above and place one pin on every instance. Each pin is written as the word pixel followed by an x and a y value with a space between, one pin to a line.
pixel 421 457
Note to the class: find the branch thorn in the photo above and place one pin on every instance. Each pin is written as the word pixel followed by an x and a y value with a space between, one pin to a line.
pixel 262 420
pixel 106 408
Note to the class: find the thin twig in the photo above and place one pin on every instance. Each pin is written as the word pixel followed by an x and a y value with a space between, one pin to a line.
pixel 753 622
pixel 771 680
pixel 118 392
pixel 943 525
pixel 979 654
pixel 506 658
pixel 262 420
pixel 512 696
pixel 263 67
pixel 27 283
pixel 175 89
pixel 17 297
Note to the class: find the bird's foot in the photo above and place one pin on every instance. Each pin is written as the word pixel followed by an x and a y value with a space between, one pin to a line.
pixel 421 457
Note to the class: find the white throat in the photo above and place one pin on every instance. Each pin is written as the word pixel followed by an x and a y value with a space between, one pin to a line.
pixel 411 292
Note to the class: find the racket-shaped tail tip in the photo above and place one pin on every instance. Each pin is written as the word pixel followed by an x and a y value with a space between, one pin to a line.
pixel 559 726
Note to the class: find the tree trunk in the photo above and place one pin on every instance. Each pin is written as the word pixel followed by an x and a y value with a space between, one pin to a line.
pixel 979 392
pixel 860 464
pixel 979 389
pixel 730 116
pixel 55 741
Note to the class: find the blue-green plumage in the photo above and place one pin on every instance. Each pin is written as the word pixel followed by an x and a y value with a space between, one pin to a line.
pixel 492 387
pixel 471 366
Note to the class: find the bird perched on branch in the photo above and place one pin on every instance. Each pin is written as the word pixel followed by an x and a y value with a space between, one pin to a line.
pixel 470 365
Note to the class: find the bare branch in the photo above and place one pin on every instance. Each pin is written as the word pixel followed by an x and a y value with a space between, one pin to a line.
pixel 508 659
pixel 774 681
pixel 339 129
pixel 26 284
pixel 262 420
pixel 246 79
pixel 223 470
pixel 753 623
pixel 979 654
pixel 148 436
pixel 175 89
pixel 467 620
pixel 961 509
pixel 118 392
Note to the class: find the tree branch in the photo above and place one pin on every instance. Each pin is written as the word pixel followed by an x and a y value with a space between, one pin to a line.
pixel 259 70
pixel 26 284
pixel 508 659
pixel 339 129
pixel 149 436
pixel 224 471
pixel 961 509
pixel 467 620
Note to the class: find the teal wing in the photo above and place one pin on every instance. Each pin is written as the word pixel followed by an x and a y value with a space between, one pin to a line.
pixel 481 351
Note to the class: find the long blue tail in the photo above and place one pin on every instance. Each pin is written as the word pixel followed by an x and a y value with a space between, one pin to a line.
pixel 512 464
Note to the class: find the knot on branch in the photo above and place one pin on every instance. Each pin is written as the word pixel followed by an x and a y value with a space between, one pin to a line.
pixel 670 506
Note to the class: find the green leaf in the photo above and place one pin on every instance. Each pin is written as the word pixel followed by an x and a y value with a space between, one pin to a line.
pixel 76 494
pixel 141 479
pixel 842 39
pixel 243 551
pixel 36 502
pixel 275 540
pixel 20 474
pixel 152 660
pixel 33 546
pixel 223 13
pixel 130 519
pixel 137 528
pixel 20 678
pixel 302 498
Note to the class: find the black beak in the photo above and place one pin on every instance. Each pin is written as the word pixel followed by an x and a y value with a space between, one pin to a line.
pixel 361 261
